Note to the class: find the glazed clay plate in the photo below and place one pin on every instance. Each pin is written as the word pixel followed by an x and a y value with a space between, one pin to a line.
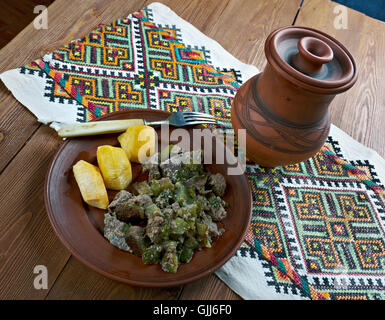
pixel 80 227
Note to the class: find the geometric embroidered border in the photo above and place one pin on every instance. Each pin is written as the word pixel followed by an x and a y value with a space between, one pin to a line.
pixel 327 219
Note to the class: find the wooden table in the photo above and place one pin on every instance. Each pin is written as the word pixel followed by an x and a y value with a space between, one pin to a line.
pixel 27 147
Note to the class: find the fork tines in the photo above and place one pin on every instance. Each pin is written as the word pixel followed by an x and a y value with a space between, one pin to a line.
pixel 192 118
pixel 189 114
pixel 198 118
pixel 200 121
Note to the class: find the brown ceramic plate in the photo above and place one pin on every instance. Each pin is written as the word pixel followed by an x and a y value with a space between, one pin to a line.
pixel 80 227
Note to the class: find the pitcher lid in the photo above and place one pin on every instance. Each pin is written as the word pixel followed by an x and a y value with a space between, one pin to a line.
pixel 311 59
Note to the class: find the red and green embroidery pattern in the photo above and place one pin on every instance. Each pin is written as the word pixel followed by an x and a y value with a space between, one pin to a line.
pixel 132 63
pixel 324 219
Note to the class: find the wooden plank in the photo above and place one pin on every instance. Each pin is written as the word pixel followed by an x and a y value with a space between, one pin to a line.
pixel 16 126
pixel 208 288
pixel 13 18
pixel 243 27
pixel 360 112
pixel 26 237
pixel 240 26
pixel 79 282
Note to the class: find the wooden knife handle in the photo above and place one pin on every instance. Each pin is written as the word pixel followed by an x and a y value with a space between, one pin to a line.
pixel 97 127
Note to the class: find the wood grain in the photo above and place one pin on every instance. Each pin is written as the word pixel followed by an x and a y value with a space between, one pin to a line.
pixel 26 237
pixel 244 26
pixel 13 18
pixel 208 288
pixel 16 126
pixel 79 282
pixel 360 111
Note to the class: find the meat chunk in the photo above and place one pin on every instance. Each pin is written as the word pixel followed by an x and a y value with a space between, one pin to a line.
pixel 164 198
pixel 126 206
pixel 136 240
pixel 217 210
pixel 218 184
pixel 182 165
pixel 121 196
pixel 152 167
pixel 142 188
pixel 169 261
pixel 205 205
pixel 171 165
pixel 175 207
pixel 213 228
pixel 157 186
pixel 199 183
pixel 154 228
pixel 116 231
pixel 168 213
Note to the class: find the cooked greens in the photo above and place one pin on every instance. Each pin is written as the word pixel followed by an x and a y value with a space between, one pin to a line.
pixel 172 214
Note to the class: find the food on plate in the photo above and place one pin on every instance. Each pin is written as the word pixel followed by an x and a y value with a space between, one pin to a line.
pixel 91 185
pixel 115 167
pixel 171 214
pixel 165 218
pixel 138 142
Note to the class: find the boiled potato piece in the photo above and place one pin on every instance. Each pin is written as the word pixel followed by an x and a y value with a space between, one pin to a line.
pixel 91 185
pixel 115 167
pixel 138 142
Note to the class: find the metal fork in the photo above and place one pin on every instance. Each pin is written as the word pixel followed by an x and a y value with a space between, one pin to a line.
pixel 177 119
pixel 180 119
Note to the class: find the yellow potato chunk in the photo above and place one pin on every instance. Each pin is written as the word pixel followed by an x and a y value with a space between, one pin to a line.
pixel 138 142
pixel 91 185
pixel 115 167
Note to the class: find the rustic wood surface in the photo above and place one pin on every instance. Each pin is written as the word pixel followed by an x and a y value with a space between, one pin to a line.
pixel 241 27
pixel 361 111
pixel 14 18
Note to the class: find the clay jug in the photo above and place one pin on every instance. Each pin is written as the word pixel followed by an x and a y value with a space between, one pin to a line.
pixel 285 109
